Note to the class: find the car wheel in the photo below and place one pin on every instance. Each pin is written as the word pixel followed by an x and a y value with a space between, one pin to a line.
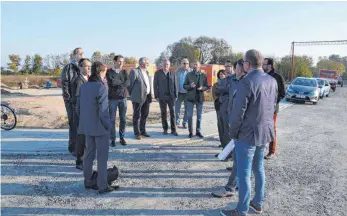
pixel 314 103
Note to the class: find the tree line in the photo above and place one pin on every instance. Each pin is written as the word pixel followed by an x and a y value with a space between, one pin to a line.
pixel 51 64
pixel 210 50
pixel 207 50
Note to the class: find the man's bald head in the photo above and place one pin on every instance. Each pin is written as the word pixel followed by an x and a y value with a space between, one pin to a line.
pixel 253 59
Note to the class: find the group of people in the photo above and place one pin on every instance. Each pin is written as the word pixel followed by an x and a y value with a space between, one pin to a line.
pixel 246 103
pixel 92 95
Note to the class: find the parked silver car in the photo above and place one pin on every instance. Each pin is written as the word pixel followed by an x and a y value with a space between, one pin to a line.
pixel 303 89
pixel 324 87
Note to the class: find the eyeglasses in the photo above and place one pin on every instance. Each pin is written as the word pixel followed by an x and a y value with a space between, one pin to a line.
pixel 185 63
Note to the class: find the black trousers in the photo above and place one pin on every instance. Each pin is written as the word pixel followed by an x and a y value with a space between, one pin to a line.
pixel 140 114
pixel 163 105
pixel 80 139
pixel 72 127
pixel 80 146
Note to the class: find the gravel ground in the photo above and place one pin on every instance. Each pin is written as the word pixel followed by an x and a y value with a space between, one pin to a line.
pixel 307 178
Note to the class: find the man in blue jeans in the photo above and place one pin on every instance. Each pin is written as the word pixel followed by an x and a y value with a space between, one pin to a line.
pixel 195 84
pixel 252 128
pixel 117 81
pixel 180 77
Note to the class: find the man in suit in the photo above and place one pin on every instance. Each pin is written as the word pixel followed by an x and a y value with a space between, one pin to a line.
pixel 118 81
pixel 195 84
pixel 141 97
pixel 180 77
pixel 252 128
pixel 95 123
pixel 68 73
pixel 165 91
pixel 84 65
pixel 268 67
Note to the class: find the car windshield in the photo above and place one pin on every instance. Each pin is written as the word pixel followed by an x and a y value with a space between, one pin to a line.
pixel 305 82
pixel 320 82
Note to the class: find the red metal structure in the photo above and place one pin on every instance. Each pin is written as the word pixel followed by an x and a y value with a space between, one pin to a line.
pixel 312 43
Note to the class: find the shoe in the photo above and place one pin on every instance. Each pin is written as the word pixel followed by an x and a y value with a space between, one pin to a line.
pixel 165 132
pixel 231 213
pixel 222 192
pixel 138 137
pixel 174 133
pixel 122 142
pixel 184 125
pixel 269 156
pixel 229 168
pixel 190 135
pixel 107 190
pixel 94 187
pixel 115 186
pixel 199 135
pixel 216 155
pixel 145 134
pixel 113 144
pixel 255 209
pixel 79 166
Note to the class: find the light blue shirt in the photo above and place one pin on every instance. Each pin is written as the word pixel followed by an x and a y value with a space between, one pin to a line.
pixel 182 78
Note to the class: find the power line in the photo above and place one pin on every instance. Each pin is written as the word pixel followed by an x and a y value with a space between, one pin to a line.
pixel 312 43
pixel 307 43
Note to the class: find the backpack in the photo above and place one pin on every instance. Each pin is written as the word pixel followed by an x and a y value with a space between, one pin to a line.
pixel 112 175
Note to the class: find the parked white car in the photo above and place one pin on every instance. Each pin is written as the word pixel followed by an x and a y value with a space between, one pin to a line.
pixel 324 87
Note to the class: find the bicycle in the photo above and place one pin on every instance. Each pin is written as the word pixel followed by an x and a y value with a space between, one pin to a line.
pixel 8 117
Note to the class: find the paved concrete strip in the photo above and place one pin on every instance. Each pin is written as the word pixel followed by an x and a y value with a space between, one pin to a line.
pixel 48 141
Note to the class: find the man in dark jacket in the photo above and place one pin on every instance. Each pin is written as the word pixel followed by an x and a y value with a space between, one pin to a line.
pixel 118 81
pixel 165 91
pixel 69 72
pixel 268 66
pixel 84 67
pixel 195 84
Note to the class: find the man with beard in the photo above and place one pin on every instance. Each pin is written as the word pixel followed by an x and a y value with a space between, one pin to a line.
pixel 195 84
pixel 268 66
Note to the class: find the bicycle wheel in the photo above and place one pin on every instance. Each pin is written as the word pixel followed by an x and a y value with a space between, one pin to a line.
pixel 8 118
